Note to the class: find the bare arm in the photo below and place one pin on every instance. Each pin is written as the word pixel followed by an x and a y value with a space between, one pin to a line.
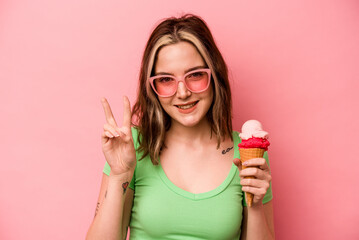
pixel 257 219
pixel 111 217
pixel 113 208
pixel 258 222
pixel 127 209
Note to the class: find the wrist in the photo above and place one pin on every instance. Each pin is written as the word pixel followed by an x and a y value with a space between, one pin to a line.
pixel 256 206
pixel 126 175
pixel 122 171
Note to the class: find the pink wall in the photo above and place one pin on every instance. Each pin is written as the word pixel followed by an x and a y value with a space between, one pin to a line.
pixel 293 66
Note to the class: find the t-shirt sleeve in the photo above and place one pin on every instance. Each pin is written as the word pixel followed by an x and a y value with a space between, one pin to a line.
pixel 268 196
pixel 107 168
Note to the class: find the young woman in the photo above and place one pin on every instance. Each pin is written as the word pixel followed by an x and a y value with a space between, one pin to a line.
pixel 172 170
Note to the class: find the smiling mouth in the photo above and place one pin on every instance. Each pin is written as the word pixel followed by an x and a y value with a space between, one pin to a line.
pixel 187 106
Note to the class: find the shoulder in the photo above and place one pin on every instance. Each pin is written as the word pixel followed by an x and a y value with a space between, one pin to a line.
pixel 236 141
pixel 134 131
pixel 236 138
pixel 135 136
pixel 235 134
pixel 137 139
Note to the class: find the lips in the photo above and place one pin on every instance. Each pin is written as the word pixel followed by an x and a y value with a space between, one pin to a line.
pixel 187 105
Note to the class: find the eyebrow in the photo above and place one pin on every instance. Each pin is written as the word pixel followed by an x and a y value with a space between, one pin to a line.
pixel 188 70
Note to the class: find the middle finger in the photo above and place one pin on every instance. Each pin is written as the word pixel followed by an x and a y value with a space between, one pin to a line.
pixel 254 172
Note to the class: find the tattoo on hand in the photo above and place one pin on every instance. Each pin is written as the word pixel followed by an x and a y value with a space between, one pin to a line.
pixel 227 150
pixel 124 186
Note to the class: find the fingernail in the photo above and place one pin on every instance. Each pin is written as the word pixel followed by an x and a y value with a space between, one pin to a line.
pixel 245 163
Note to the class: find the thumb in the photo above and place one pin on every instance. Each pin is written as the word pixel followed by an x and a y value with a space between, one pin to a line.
pixel 238 163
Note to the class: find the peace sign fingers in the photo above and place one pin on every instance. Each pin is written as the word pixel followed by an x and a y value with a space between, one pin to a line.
pixel 110 119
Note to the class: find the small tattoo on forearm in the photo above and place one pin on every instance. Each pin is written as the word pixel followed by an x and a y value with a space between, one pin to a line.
pixel 97 208
pixel 124 186
pixel 227 150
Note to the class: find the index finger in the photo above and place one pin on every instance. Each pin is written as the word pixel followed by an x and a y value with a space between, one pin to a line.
pixel 108 113
pixel 256 162
pixel 126 112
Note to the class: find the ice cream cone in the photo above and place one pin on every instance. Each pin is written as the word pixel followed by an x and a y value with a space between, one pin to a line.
pixel 246 154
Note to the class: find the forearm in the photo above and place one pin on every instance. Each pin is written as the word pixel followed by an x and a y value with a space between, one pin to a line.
pixel 257 226
pixel 107 223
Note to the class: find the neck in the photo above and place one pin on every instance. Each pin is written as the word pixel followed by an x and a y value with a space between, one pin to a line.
pixel 200 133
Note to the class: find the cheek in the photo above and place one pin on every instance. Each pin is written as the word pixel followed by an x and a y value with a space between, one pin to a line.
pixel 210 95
pixel 210 100
pixel 164 102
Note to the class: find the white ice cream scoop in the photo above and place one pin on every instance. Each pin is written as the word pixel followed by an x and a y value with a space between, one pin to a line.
pixel 253 128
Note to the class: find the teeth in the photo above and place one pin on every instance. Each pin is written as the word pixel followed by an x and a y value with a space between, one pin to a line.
pixel 186 106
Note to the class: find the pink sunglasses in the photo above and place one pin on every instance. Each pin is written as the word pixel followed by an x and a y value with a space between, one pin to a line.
pixel 196 81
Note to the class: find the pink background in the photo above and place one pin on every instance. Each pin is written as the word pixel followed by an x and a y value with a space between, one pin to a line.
pixel 293 66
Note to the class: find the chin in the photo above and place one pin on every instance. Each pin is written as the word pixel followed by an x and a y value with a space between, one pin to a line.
pixel 189 122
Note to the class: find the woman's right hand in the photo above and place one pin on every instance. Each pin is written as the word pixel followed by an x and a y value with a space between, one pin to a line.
pixel 117 143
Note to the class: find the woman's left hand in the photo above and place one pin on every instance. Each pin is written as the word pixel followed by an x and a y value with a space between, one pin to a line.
pixel 257 168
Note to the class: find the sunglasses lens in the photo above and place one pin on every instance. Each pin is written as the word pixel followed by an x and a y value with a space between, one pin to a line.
pixel 197 81
pixel 165 86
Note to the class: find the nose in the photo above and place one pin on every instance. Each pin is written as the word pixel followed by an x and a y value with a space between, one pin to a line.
pixel 182 91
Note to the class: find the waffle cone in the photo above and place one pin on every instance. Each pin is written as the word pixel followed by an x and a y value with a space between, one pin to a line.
pixel 246 154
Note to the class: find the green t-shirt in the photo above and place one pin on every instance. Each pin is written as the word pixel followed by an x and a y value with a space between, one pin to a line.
pixel 161 210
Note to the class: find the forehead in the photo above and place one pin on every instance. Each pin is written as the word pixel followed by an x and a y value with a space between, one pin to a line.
pixel 177 58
